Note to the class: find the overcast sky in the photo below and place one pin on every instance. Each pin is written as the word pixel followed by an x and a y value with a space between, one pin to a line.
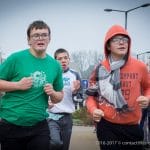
pixel 75 24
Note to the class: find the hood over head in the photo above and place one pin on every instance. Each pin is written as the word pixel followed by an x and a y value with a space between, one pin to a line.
pixel 113 31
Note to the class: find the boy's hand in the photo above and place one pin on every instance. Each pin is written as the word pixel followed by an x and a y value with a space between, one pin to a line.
pixel 143 101
pixel 97 115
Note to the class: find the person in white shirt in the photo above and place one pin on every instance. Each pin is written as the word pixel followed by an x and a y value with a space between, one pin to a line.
pixel 60 118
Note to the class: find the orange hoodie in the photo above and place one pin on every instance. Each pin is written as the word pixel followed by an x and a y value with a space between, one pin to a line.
pixel 134 82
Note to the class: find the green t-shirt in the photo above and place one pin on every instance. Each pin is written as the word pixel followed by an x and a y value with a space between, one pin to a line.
pixel 28 107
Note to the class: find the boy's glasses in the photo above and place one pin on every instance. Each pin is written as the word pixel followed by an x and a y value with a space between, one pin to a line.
pixel 43 36
pixel 119 39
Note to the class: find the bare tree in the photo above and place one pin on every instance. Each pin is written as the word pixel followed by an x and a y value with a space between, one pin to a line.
pixel 85 60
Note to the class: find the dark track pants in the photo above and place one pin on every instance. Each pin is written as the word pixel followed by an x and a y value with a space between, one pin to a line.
pixel 24 138
pixel 119 137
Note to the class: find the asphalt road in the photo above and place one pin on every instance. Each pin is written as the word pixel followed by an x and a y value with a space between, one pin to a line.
pixel 83 138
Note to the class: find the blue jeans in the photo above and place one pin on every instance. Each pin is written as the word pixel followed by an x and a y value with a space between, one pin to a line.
pixel 60 132
pixel 24 138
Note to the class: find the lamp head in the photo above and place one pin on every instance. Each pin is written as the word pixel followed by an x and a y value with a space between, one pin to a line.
pixel 108 10
pixel 145 5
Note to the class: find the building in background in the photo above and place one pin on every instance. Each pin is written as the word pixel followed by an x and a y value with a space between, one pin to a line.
pixel 145 57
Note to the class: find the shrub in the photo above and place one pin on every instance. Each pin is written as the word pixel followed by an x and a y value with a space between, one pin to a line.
pixel 82 117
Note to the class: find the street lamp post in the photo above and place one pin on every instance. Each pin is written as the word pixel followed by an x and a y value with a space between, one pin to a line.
pixel 127 11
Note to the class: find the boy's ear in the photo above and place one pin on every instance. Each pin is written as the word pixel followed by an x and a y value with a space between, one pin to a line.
pixel 29 43
pixel 108 47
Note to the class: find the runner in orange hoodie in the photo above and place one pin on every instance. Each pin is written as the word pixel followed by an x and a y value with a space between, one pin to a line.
pixel 118 89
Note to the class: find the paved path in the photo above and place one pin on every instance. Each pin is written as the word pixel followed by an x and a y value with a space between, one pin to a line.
pixel 83 138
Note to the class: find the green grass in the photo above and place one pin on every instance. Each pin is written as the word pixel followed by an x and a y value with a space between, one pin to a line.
pixel 82 117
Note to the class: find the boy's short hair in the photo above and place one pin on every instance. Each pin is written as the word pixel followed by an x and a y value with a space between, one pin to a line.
pixel 60 50
pixel 38 24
